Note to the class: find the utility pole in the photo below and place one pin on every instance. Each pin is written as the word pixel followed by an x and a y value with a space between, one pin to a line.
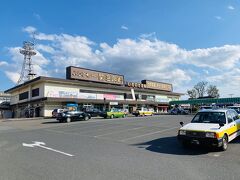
pixel 27 73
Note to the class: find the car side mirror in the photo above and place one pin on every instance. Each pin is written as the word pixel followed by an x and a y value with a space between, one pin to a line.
pixel 181 123
pixel 221 125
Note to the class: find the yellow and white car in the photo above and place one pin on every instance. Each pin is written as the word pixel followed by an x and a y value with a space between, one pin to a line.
pixel 211 127
pixel 143 112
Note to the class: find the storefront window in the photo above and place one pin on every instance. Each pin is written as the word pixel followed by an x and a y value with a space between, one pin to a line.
pixel 35 92
pixel 23 96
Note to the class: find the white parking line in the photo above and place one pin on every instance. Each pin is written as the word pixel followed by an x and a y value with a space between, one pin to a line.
pixel 43 145
pixel 103 129
pixel 118 131
pixel 156 132
pixel 104 120
pixel 82 128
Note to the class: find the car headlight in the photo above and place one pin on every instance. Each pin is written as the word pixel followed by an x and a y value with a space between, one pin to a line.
pixel 182 132
pixel 210 134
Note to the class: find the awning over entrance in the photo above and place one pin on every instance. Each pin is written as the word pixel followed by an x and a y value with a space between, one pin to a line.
pixel 208 101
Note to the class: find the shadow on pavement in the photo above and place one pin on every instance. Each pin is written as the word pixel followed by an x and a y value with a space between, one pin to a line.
pixel 51 122
pixel 170 145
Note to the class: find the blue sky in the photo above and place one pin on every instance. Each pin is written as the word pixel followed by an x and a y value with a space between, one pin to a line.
pixel 181 42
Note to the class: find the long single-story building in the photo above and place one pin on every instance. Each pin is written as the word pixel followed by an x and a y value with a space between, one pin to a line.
pixel 87 87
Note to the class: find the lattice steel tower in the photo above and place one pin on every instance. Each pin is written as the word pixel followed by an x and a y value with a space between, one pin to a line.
pixel 27 67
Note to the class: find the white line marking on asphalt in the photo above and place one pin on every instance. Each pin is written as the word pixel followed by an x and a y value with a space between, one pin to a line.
pixel 119 131
pixel 42 145
pixel 156 132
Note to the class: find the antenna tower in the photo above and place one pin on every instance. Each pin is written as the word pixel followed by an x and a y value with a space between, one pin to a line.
pixel 27 67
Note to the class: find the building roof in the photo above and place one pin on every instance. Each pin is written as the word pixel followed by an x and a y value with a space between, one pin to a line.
pixel 88 84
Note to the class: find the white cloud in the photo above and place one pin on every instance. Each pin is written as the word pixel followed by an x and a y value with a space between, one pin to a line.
pixel 13 76
pixel 45 48
pixel 231 7
pixel 42 36
pixel 151 35
pixel 74 50
pixel 15 66
pixel 124 27
pixel 228 82
pixel 218 17
pixel 37 16
pixel 29 29
pixel 3 63
pixel 224 57
pixel 143 58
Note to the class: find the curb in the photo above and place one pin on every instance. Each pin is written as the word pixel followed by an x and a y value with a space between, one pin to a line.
pixel 22 119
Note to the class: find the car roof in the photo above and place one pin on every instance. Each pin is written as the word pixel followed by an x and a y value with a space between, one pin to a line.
pixel 214 110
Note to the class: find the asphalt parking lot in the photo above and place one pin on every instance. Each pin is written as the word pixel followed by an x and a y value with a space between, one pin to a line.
pixel 120 149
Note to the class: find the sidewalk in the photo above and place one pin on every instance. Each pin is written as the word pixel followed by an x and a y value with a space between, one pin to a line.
pixel 22 119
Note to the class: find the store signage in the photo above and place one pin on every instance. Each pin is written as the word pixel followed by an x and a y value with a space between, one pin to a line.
pixel 96 76
pixel 135 85
pixel 161 99
pixel 113 97
pixel 157 85
pixel 87 96
pixel 67 94
pixel 113 103
pixel 150 98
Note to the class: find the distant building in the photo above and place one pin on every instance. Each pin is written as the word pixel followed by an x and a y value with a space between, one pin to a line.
pixel 5 109
pixel 4 97
pixel 86 87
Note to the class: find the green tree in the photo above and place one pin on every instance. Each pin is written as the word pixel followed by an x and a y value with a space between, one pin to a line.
pixel 213 91
pixel 200 88
pixel 192 93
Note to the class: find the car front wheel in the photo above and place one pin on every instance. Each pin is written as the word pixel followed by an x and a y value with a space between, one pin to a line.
pixel 86 118
pixel 68 120
pixel 224 143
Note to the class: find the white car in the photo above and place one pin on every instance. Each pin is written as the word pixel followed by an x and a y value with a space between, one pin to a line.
pixel 211 127
pixel 236 108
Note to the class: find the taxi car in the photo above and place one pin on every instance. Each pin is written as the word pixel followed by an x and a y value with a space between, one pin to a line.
pixel 216 127
pixel 113 113
pixel 142 112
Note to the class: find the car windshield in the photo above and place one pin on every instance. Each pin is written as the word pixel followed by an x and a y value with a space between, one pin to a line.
pixel 209 117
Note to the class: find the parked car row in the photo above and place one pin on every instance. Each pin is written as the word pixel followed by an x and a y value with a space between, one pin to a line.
pixel 178 110
pixel 64 115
